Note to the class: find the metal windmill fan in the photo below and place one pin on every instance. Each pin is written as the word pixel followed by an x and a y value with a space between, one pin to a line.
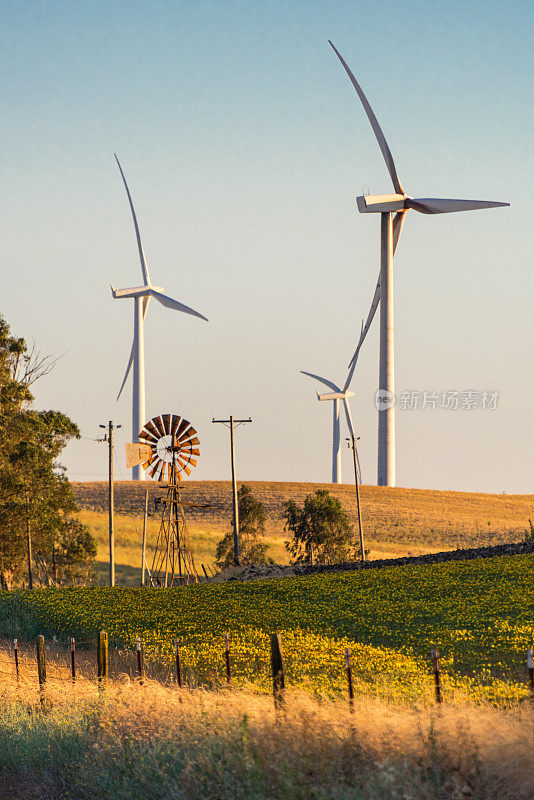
pixel 168 447
pixel 174 447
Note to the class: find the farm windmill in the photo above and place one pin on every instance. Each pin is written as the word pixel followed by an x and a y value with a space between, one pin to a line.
pixel 168 444
pixel 387 205
pixel 141 296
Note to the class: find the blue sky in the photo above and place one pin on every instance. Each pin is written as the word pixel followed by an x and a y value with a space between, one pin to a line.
pixel 245 146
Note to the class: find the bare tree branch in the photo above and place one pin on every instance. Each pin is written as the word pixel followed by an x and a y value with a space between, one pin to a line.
pixel 31 366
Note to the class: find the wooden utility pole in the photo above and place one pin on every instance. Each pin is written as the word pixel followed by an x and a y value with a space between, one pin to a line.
pixel 29 542
pixel 111 499
pixel 231 424
pixel 357 485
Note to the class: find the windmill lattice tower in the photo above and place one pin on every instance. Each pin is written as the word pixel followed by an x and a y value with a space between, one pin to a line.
pixel 168 444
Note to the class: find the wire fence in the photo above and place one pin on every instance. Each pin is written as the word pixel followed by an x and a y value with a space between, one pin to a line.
pixel 93 661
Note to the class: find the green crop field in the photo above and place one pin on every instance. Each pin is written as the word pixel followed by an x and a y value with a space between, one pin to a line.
pixel 479 613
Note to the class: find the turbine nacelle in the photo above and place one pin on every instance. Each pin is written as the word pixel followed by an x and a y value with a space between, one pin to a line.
pixel 335 396
pixel 135 291
pixel 380 203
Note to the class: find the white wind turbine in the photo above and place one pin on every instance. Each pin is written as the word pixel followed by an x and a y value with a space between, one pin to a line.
pixel 387 205
pixel 141 296
pixel 338 395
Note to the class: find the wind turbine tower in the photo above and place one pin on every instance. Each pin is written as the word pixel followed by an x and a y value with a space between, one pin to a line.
pixel 387 205
pixel 141 296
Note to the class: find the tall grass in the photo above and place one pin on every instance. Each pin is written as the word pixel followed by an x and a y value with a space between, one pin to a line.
pixel 155 742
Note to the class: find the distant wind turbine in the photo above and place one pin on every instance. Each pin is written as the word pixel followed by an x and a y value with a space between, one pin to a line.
pixel 141 296
pixel 386 205
pixel 337 395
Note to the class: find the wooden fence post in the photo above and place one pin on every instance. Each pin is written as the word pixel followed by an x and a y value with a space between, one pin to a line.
pixel 41 665
pixel 178 664
pixel 16 648
pixel 227 658
pixel 277 668
pixel 349 680
pixel 140 668
pixel 102 657
pixel 437 675
pixel 530 668
pixel 73 660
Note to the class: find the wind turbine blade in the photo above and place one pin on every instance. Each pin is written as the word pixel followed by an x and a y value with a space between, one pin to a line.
pixel 437 205
pixel 330 384
pixel 348 415
pixel 398 222
pixel 351 431
pixel 144 268
pixel 365 330
pixel 130 362
pixel 146 301
pixel 168 302
pixel 381 139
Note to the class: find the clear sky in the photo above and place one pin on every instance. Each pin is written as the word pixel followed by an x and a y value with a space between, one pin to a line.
pixel 245 145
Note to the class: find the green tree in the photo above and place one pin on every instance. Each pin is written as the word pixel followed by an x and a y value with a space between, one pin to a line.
pixel 36 498
pixel 320 529
pixel 251 529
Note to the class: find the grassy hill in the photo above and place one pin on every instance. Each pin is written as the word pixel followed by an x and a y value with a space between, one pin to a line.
pixel 396 521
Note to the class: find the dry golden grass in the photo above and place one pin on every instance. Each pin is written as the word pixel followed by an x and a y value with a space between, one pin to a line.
pixel 154 741
pixel 128 538
pixel 397 522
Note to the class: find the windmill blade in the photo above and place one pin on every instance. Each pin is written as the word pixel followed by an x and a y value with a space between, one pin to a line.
pixel 166 423
pixel 152 429
pixel 149 462
pixel 186 435
pixel 155 468
pixel 147 437
pixel 146 301
pixel 159 425
pixel 168 302
pixel 174 423
pixel 381 139
pixel 438 205
pixel 191 443
pixel 181 428
pixel 330 384
pixel 144 268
